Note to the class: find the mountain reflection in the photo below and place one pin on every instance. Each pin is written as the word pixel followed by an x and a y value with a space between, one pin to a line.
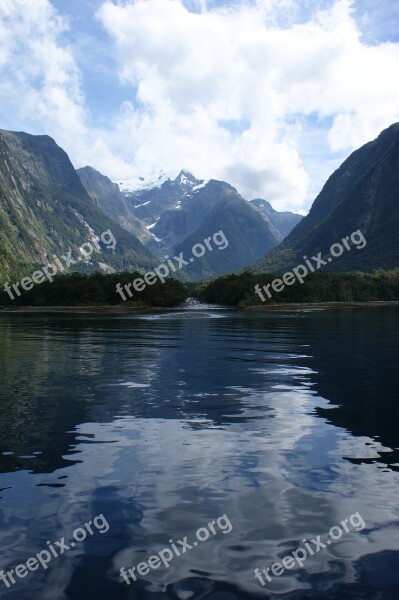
pixel 58 372
pixel 284 422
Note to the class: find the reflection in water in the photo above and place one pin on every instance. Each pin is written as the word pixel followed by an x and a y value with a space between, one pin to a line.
pixel 285 422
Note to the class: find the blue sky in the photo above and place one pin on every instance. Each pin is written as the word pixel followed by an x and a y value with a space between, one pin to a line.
pixel 378 22
pixel 270 95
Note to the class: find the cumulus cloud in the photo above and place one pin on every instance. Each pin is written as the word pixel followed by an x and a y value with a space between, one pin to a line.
pixel 40 82
pixel 226 92
pixel 39 77
pixel 269 95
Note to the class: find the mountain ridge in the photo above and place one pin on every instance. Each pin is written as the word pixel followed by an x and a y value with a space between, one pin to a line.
pixel 361 194
pixel 45 210
pixel 108 197
pixel 176 209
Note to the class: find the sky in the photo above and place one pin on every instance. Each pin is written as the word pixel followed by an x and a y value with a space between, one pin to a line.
pixel 268 95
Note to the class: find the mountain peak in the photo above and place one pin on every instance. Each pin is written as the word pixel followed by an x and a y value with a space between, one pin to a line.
pixel 142 183
pixel 46 209
pixel 261 203
pixel 394 127
pixel 391 132
pixel 361 195
pixel 186 176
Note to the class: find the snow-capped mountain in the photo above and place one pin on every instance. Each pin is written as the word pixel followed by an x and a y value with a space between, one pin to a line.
pixel 141 184
pixel 155 180
pixel 150 197
pixel 176 212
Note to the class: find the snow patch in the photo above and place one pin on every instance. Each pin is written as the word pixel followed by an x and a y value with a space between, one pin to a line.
pixel 151 226
pixel 200 185
pixel 140 184
pixel 155 179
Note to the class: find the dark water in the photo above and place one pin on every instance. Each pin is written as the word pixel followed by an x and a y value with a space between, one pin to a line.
pixel 287 423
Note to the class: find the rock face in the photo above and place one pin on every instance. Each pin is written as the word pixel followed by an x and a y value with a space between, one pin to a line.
pixel 208 208
pixel 181 212
pixel 283 222
pixel 150 198
pixel 107 196
pixel 362 194
pixel 177 224
pixel 249 235
pixel 45 211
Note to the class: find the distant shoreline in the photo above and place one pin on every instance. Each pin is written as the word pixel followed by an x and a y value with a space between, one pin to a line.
pixel 117 310
pixel 297 306
pixel 125 309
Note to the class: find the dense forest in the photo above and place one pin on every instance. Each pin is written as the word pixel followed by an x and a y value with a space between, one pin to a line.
pixel 239 290
pixel 78 289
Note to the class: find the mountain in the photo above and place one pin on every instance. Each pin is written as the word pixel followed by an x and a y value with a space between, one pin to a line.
pixel 176 224
pixel 107 196
pixel 362 194
pixel 141 184
pixel 45 211
pixel 247 232
pixel 183 211
pixel 149 197
pixel 283 222
pixel 204 209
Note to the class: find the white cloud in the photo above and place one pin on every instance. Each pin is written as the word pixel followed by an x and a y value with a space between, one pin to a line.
pixel 40 83
pixel 249 93
pixel 192 72
pixel 39 75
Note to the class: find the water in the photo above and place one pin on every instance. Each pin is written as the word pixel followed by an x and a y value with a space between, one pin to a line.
pixel 287 423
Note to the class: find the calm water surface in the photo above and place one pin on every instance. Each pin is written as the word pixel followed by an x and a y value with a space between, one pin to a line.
pixel 287 423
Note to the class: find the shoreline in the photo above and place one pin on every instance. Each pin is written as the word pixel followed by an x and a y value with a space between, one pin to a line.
pixel 91 310
pixel 298 306
pixel 125 309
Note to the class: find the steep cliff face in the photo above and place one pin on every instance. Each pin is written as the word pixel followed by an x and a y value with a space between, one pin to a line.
pixel 174 209
pixel 362 194
pixel 107 196
pixel 248 233
pixel 149 197
pixel 45 211
pixel 284 221
pixel 177 224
